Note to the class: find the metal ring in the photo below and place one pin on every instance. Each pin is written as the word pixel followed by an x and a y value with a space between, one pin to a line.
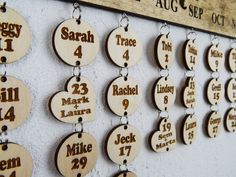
pixel 126 122
pixel 215 106
pixel 215 40
pixel 163 116
pixel 124 19
pixel 215 75
pixel 165 29
pixel 193 34
pixel 77 7
pixel 79 129
pixel 125 167
pixel 121 72
pixel 163 74
pixel 78 69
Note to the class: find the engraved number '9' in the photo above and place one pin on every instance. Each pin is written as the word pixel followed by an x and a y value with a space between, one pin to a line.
pixel 125 103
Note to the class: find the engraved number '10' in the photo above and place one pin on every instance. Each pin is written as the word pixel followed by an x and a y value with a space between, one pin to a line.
pixel 79 162
pixel 8 46
pixel 13 174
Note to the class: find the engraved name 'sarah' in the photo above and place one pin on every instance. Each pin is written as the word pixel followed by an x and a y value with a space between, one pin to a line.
pixel 10 30
pixel 87 37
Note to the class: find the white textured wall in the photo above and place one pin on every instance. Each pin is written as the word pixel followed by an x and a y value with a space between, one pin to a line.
pixel 45 74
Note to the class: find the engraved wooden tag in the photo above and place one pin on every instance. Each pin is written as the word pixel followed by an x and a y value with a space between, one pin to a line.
pixel 189 94
pixel 124 47
pixel 77 155
pixel 215 91
pixel 215 58
pixel 15 161
pixel 164 93
pixel 75 105
pixel 232 60
pixel 231 90
pixel 15 36
pixel 191 54
pixel 15 102
pixel 164 51
pixel 123 144
pixel 75 43
pixel 126 174
pixel 124 96
pixel 164 139
pixel 230 120
pixel 189 130
pixel 214 124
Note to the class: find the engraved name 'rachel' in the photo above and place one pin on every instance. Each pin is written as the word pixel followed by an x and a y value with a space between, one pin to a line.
pixel 127 90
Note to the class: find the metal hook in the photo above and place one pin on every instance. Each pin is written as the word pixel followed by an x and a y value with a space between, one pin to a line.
pixel 165 29
pixel 124 19
pixel 76 6
pixel 215 40
pixel 193 34
pixel 121 72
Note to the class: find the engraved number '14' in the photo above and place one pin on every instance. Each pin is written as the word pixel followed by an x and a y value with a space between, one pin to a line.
pixel 8 46
pixel 9 115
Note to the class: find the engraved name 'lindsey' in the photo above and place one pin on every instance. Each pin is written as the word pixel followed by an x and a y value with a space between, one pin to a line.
pixel 165 89
pixel 127 90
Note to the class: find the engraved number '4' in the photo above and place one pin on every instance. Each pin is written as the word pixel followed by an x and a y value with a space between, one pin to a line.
pixel 126 55
pixel 78 52
pixel 8 116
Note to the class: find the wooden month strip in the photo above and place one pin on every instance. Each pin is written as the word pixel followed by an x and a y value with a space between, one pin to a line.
pixel 15 36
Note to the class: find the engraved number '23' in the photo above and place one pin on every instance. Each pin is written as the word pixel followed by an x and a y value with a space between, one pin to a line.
pixel 81 89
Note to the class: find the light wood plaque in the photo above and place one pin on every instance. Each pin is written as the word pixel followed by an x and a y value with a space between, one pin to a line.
pixel 189 94
pixel 124 47
pixel 191 54
pixel 15 36
pixel 230 120
pixel 15 161
pixel 215 91
pixel 231 90
pixel 126 174
pixel 75 43
pixel 75 105
pixel 77 155
pixel 123 144
pixel 164 93
pixel 214 124
pixel 215 58
pixel 164 139
pixel 15 102
pixel 164 51
pixel 232 60
pixel 124 96
pixel 189 130
pixel 215 16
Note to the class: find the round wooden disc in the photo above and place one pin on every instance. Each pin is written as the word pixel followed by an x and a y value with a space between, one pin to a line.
pixel 124 47
pixel 215 91
pixel 215 58
pixel 189 94
pixel 232 60
pixel 191 54
pixel 77 155
pixel 123 144
pixel 164 139
pixel 164 51
pixel 15 161
pixel 230 120
pixel 126 174
pixel 231 90
pixel 124 96
pixel 15 102
pixel 189 131
pixel 15 36
pixel 214 123
pixel 76 44
pixel 164 93
pixel 75 105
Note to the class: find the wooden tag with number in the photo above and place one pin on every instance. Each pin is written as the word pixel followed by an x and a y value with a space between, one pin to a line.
pixel 191 54
pixel 230 120
pixel 231 90
pixel 215 91
pixel 215 58
pixel 124 47
pixel 232 60
pixel 164 139
pixel 15 161
pixel 123 144
pixel 164 93
pixel 126 174
pixel 15 102
pixel 164 51
pixel 189 130
pixel 124 96
pixel 15 36
pixel 214 124
pixel 75 105
pixel 76 43
pixel 189 94
pixel 77 155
